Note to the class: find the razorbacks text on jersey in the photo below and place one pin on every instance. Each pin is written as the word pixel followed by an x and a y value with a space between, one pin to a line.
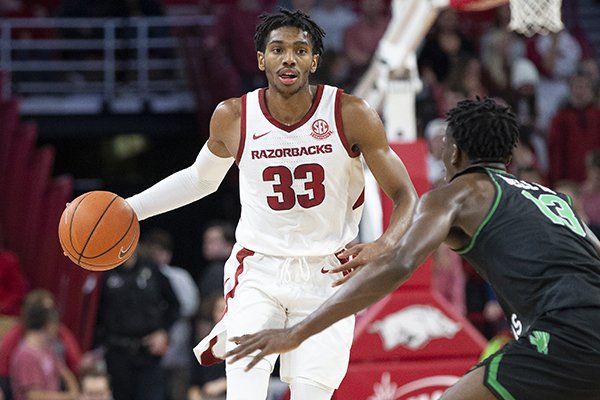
pixel 301 186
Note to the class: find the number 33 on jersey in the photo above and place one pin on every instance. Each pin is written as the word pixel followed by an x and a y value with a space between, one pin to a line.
pixel 306 171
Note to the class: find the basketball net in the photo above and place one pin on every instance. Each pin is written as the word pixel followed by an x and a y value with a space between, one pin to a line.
pixel 529 17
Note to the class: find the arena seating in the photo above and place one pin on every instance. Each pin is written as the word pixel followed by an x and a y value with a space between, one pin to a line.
pixel 31 203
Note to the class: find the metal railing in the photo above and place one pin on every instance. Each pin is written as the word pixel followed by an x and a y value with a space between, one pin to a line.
pixel 122 63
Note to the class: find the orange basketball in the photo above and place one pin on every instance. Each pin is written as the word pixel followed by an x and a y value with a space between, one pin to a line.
pixel 98 230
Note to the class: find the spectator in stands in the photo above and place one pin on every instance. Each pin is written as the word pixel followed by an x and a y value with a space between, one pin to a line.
pixel 95 385
pixel 208 383
pixel 442 47
pixel 334 16
pixel 434 134
pixel 217 242
pixel 500 47
pixel 590 188
pixel 177 362
pixel 233 33
pixel 65 344
pixel 468 74
pixel 524 78
pixel 556 57
pixel 137 309
pixel 362 38
pixel 523 99
pixel 574 131
pixel 525 163
pixel 8 7
pixel 306 6
pixel 36 370
pixel 590 67
pixel 13 284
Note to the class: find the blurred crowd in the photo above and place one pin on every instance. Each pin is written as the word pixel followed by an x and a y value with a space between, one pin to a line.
pixel 551 81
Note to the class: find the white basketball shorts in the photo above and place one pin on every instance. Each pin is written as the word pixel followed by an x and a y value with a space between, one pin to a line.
pixel 267 292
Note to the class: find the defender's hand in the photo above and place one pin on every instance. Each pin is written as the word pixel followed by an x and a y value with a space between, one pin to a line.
pixel 271 341
pixel 359 255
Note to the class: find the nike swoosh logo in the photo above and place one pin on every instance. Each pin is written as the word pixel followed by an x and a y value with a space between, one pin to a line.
pixel 324 271
pixel 123 252
pixel 255 136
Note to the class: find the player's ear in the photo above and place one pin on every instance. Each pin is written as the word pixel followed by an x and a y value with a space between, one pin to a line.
pixel 260 58
pixel 455 155
pixel 315 63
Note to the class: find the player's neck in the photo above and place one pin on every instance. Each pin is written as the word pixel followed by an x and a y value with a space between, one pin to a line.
pixel 488 164
pixel 289 109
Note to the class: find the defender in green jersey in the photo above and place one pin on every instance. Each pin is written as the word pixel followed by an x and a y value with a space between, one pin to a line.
pixel 523 238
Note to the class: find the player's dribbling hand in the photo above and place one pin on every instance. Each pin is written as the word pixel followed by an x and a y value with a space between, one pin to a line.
pixel 270 341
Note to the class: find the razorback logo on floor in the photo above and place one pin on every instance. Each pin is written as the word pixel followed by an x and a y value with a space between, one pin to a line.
pixel 414 327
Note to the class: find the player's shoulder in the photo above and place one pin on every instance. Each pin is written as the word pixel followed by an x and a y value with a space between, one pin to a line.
pixel 230 108
pixel 455 192
pixel 358 115
pixel 351 104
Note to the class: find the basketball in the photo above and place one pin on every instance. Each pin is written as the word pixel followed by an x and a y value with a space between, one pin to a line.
pixel 98 230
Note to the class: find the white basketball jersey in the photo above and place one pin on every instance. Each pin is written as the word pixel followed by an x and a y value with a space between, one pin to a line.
pixel 301 186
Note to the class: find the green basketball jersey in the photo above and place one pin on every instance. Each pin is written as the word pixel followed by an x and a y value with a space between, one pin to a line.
pixel 533 250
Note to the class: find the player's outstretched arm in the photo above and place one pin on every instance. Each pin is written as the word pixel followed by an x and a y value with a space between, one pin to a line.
pixel 200 179
pixel 365 131
pixel 383 274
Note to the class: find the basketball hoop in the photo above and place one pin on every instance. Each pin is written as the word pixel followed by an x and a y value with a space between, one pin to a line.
pixel 535 16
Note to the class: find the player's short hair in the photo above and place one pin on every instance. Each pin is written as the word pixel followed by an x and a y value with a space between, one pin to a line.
pixel 487 131
pixel 271 21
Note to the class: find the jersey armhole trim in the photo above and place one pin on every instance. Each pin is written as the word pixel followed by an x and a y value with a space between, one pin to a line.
pixel 242 143
pixel 491 212
pixel 339 124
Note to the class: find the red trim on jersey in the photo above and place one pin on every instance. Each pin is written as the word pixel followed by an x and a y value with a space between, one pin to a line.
pixel 340 124
pixel 240 256
pixel 284 127
pixel 207 357
pixel 242 143
pixel 360 201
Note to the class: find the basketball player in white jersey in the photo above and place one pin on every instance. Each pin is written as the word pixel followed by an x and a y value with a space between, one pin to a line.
pixel 297 147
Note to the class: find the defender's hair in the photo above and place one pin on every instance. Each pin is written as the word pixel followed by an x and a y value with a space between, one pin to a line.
pixel 298 19
pixel 484 129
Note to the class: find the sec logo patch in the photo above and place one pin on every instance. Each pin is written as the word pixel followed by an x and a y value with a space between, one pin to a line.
pixel 320 129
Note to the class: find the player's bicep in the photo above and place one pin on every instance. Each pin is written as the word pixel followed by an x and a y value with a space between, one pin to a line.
pixel 224 132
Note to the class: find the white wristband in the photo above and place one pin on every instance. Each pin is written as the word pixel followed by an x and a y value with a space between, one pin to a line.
pixel 183 187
